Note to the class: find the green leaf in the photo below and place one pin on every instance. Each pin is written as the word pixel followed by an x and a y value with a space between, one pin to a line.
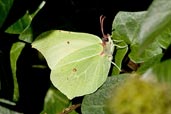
pixel 149 63
pixel 4 110
pixel 4 101
pixel 5 6
pixel 126 25
pixel 95 103
pixel 27 35
pixel 153 50
pixel 79 62
pixel 164 39
pixel 23 25
pixel 55 102
pixel 158 18
pixel 14 54
pixel 19 26
pixel 160 71
pixel 120 53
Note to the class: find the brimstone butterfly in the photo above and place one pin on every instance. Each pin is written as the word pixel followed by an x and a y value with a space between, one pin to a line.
pixel 79 62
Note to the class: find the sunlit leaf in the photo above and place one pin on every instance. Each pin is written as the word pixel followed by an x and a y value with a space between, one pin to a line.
pixel 23 25
pixel 14 54
pixel 19 26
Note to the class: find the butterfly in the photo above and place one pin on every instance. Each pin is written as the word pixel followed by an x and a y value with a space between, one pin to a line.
pixel 79 62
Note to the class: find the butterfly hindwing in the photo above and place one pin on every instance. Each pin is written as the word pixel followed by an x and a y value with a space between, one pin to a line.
pixel 82 76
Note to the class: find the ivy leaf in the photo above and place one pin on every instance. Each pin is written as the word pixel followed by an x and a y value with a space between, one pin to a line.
pixel 164 39
pixel 95 103
pixel 20 27
pixel 126 25
pixel 153 50
pixel 5 110
pixel 14 54
pixel 55 102
pixel 149 63
pixel 5 6
pixel 157 19
pixel 23 25
pixel 160 72
pixel 120 53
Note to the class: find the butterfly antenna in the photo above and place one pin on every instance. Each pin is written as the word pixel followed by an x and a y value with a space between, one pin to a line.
pixel 102 17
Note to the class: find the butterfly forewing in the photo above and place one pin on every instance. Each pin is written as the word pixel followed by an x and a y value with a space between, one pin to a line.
pixel 55 44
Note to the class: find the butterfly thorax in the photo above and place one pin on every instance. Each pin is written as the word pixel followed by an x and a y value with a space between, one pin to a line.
pixel 108 46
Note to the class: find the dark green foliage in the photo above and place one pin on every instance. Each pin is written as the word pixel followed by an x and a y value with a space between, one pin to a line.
pixel 144 28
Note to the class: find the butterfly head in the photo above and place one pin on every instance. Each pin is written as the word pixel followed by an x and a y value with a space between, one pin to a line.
pixel 106 40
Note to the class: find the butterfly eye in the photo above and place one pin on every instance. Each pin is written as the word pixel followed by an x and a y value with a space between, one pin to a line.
pixel 105 39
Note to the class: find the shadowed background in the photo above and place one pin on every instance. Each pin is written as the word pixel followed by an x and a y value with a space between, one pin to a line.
pixel 73 15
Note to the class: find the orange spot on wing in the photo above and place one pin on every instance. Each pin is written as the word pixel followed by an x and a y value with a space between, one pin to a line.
pixel 74 70
pixel 68 42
